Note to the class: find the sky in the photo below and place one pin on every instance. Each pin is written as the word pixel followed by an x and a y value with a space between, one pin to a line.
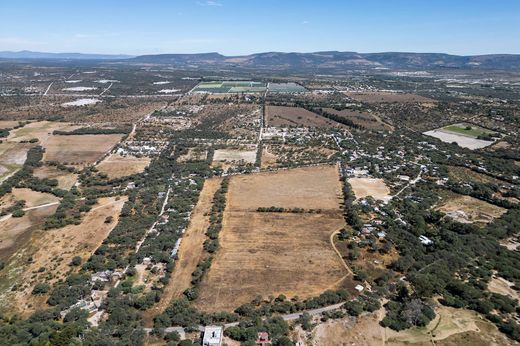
pixel 238 27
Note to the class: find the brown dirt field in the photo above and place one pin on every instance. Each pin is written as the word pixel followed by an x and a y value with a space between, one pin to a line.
pixel 41 130
pixel 190 251
pixel 117 166
pixel 33 198
pixel 79 149
pixel 364 187
pixel 280 116
pixel 8 124
pixel 15 232
pixel 316 187
pixel 54 250
pixel 364 119
pixel 65 180
pixel 388 97
pixel 12 157
pixel 268 158
pixel 467 209
pixel 264 252
pixel 502 286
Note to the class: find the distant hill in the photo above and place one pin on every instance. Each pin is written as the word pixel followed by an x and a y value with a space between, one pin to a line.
pixel 335 60
pixel 25 54
pixel 330 60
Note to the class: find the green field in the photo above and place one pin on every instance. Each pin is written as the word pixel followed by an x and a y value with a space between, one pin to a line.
pixel 220 87
pixel 466 129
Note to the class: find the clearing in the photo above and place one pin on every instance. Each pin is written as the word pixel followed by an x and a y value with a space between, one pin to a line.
pixel 388 97
pixel 117 166
pixel 234 155
pixel 264 252
pixel 66 180
pixel 32 198
pixel 465 135
pixel 79 149
pixel 41 130
pixel 467 209
pixel 364 187
pixel 281 116
pixel 502 286
pixel 363 119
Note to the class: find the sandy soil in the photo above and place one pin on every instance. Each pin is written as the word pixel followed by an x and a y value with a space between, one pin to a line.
pixel 504 287
pixel 273 253
pixel 280 116
pixel 117 166
pixel 315 187
pixel 467 209
pixel 364 187
pixel 8 124
pixel 79 149
pixel 12 158
pixel 190 251
pixel 54 250
pixel 65 180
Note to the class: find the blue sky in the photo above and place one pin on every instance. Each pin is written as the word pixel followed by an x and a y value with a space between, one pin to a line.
pixel 250 26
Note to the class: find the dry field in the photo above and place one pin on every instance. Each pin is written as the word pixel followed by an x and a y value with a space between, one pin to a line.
pixel 467 209
pixel 364 187
pixel 364 119
pixel 42 130
pixel 33 198
pixel 54 250
pixel 234 155
pixel 461 140
pixel 16 232
pixel 280 116
pixel 279 155
pixel 463 174
pixel 451 327
pixel 388 97
pixel 79 149
pixel 65 180
pixel 264 252
pixel 117 166
pixel 8 124
pixel 191 250
pixel 12 158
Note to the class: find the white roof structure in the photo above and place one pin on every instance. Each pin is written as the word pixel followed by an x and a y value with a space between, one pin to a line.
pixel 212 336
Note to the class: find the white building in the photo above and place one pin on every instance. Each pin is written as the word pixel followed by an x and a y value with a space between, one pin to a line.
pixel 212 336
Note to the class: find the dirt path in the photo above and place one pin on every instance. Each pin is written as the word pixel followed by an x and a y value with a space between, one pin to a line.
pixel 190 251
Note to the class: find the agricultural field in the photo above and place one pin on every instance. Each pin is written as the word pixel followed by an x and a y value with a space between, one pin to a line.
pixel 66 180
pixel 118 166
pixel 12 157
pixel 281 116
pixel 41 130
pixel 270 247
pixel 365 187
pixel 224 87
pixel 79 149
pixel 241 156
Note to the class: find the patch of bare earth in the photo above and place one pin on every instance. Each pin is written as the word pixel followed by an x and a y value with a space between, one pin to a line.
pixel 65 179
pixel 117 166
pixel 467 209
pixel 264 254
pixel 388 97
pixel 364 187
pixel 79 149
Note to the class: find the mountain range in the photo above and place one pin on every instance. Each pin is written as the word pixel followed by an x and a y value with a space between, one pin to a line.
pixel 289 61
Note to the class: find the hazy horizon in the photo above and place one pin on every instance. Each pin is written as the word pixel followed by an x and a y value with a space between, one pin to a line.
pixel 233 27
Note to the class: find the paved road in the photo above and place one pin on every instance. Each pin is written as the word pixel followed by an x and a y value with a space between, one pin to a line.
pixel 288 317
